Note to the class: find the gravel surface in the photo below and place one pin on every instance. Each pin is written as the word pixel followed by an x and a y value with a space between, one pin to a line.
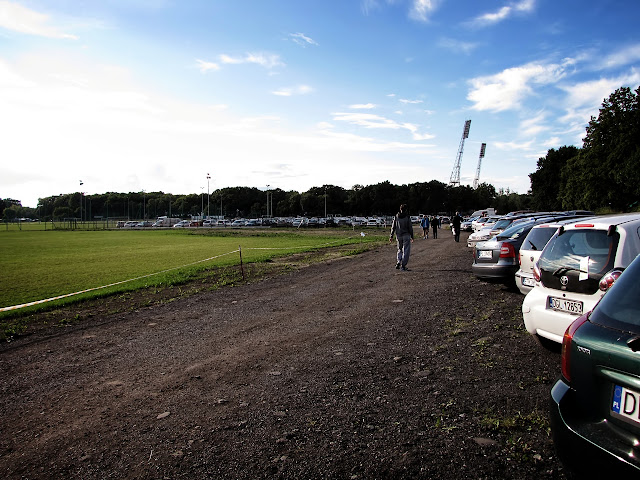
pixel 342 368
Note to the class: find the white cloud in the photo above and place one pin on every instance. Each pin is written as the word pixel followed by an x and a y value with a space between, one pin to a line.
pixel 371 121
pixel 363 106
pixel 302 39
pixel 503 13
pixel 530 127
pixel 625 56
pixel 291 91
pixel 407 102
pixel 513 145
pixel 18 18
pixel 584 99
pixel 263 59
pixel 205 66
pixel 421 9
pixel 506 90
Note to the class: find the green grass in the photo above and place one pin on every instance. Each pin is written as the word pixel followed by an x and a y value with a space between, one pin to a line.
pixel 39 265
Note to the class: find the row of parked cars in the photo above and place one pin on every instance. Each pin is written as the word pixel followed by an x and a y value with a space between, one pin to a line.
pixel 581 277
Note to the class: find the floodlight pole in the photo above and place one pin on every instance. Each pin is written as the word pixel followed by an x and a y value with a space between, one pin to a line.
pixel 208 197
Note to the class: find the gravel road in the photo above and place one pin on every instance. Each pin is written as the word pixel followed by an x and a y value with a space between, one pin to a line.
pixel 343 368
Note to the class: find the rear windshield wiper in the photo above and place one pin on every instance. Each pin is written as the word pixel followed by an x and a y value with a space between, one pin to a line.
pixel 563 270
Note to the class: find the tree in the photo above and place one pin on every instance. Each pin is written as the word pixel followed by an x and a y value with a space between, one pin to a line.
pixel 547 181
pixel 606 172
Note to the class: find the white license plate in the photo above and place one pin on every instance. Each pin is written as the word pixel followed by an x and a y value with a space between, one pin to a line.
pixel 485 254
pixel 528 282
pixel 564 305
pixel 626 403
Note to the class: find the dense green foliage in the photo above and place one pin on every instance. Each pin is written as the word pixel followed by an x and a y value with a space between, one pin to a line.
pixel 605 173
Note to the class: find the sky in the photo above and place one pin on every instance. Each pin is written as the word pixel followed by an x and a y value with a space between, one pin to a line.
pixel 190 96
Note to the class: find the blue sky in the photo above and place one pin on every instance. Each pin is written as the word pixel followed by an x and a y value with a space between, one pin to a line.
pixel 132 95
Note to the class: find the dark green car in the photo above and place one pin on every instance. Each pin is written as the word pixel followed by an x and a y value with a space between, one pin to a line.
pixel 595 406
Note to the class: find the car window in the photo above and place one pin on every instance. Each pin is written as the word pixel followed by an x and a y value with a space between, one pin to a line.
pixel 515 231
pixel 620 307
pixel 538 238
pixel 587 250
pixel 502 223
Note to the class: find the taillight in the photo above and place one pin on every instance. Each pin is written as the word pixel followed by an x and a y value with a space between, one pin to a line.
pixel 565 359
pixel 507 251
pixel 536 272
pixel 609 279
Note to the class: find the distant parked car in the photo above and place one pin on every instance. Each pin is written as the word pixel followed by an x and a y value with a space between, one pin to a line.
pixel 466 226
pixel 182 224
pixel 497 258
pixel 576 267
pixel 595 406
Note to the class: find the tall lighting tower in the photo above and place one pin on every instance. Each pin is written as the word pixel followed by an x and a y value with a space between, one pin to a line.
pixel 455 174
pixel 208 198
pixel 477 179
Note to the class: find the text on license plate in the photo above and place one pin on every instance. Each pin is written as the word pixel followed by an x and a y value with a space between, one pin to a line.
pixel 626 403
pixel 528 282
pixel 485 253
pixel 564 305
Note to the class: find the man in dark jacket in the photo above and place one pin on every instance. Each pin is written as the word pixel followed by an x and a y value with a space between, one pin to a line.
pixel 456 221
pixel 403 229
pixel 435 225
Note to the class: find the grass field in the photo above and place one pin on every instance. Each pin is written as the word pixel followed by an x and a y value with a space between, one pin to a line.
pixel 38 265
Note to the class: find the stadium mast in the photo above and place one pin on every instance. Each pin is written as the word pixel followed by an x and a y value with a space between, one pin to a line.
pixel 455 174
pixel 477 179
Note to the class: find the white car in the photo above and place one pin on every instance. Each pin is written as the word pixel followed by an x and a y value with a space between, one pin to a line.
pixel 580 263
pixel 531 249
pixel 480 236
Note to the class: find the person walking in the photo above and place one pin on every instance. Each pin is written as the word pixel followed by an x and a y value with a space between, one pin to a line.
pixel 435 224
pixel 403 230
pixel 456 221
pixel 424 223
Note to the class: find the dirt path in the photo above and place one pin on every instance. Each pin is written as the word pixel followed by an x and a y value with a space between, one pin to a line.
pixel 343 369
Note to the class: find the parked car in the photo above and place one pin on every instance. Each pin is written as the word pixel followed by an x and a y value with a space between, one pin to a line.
pixel 580 262
pixel 483 222
pixel 595 405
pixel 531 249
pixel 497 258
pixel 466 226
pixel 181 224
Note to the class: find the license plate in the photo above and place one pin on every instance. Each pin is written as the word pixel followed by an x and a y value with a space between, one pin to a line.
pixel 528 282
pixel 564 305
pixel 485 254
pixel 626 403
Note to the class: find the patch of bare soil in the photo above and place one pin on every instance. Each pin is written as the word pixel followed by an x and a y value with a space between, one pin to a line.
pixel 347 368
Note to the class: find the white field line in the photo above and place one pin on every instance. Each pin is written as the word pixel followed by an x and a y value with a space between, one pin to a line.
pixel 38 302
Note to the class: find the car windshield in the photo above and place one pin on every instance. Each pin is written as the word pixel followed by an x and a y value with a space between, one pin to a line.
pixel 588 251
pixel 620 307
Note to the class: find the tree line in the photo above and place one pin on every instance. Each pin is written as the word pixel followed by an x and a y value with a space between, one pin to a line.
pixel 603 175
pixel 380 199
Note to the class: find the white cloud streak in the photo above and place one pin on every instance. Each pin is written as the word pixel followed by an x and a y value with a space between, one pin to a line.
pixel 503 13
pixel 18 18
pixel 302 40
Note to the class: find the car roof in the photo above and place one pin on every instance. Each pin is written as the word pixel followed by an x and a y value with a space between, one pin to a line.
pixel 606 221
